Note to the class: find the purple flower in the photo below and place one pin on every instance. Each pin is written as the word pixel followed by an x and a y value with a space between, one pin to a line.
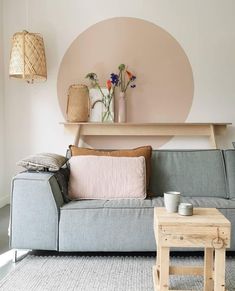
pixel 133 78
pixel 114 79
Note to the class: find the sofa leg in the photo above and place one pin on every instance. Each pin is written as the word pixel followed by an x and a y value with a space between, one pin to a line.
pixel 14 259
pixel 17 257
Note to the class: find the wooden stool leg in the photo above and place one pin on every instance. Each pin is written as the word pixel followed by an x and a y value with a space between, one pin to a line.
pixel 157 235
pixel 208 269
pixel 219 279
pixel 158 257
pixel 164 268
pixel 155 279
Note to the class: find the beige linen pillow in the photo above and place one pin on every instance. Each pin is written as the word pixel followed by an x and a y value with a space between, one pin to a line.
pixel 42 162
pixel 145 151
pixel 99 177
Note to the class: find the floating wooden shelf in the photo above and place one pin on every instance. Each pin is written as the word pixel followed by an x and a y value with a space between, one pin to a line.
pixel 148 129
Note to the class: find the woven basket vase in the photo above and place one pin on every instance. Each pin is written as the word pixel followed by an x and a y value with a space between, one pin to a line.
pixel 28 60
pixel 78 105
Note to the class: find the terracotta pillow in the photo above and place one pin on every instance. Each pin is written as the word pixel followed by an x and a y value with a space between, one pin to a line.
pixel 145 151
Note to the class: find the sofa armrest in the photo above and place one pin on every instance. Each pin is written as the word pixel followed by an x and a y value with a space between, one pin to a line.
pixel 35 201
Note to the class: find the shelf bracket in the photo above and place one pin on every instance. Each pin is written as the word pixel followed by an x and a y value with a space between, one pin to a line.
pixel 77 135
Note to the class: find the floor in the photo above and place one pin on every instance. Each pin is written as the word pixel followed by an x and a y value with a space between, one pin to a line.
pixel 5 255
pixel 4 223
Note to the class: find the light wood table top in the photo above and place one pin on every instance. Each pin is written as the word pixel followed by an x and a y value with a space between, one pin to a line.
pixel 200 217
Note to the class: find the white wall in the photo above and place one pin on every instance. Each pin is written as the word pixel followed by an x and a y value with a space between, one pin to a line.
pixel 205 30
pixel 3 194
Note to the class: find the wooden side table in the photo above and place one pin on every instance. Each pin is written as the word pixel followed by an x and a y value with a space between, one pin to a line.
pixel 208 229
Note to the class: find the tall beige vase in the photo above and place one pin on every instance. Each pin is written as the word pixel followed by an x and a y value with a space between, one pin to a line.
pixel 122 108
pixel 78 104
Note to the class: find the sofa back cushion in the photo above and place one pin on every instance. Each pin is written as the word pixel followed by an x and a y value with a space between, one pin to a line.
pixel 99 177
pixel 195 173
pixel 229 156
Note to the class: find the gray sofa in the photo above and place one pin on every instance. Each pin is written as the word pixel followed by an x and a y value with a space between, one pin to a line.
pixel 42 219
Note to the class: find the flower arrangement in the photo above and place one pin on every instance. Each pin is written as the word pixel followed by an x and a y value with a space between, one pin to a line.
pixel 119 80
pixel 106 99
pixel 124 79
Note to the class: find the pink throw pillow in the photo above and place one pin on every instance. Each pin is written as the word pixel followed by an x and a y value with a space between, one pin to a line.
pixel 100 177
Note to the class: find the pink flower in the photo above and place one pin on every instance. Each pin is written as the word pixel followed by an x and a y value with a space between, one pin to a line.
pixel 131 77
pixel 129 74
pixel 109 84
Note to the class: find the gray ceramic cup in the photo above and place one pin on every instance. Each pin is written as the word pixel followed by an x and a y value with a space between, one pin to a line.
pixel 171 201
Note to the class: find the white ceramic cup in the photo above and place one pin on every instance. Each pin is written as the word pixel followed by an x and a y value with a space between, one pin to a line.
pixel 171 201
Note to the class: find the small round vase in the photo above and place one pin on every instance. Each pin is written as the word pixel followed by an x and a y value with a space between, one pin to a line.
pixel 122 108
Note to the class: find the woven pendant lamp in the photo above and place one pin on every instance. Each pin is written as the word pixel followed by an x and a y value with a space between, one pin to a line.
pixel 28 60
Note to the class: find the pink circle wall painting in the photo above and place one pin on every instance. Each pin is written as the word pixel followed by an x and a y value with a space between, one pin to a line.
pixel 165 86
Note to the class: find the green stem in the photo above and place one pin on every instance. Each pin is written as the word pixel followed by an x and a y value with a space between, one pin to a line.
pixel 128 83
pixel 124 81
pixel 97 84
pixel 121 81
pixel 104 116
pixel 93 105
pixel 107 108
pixel 119 78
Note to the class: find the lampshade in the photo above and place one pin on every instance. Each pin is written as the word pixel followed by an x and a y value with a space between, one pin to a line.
pixel 28 60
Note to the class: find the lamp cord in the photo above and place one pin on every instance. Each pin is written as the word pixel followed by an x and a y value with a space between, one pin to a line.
pixel 27 14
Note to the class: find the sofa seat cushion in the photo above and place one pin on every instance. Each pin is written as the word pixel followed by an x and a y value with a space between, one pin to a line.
pixel 120 225
pixel 210 202
pixel 147 203
pixel 120 203
pixel 108 225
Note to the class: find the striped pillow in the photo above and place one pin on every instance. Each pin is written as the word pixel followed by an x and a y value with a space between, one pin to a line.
pixel 43 162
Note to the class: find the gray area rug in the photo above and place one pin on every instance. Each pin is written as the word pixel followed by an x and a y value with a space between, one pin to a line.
pixel 87 273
